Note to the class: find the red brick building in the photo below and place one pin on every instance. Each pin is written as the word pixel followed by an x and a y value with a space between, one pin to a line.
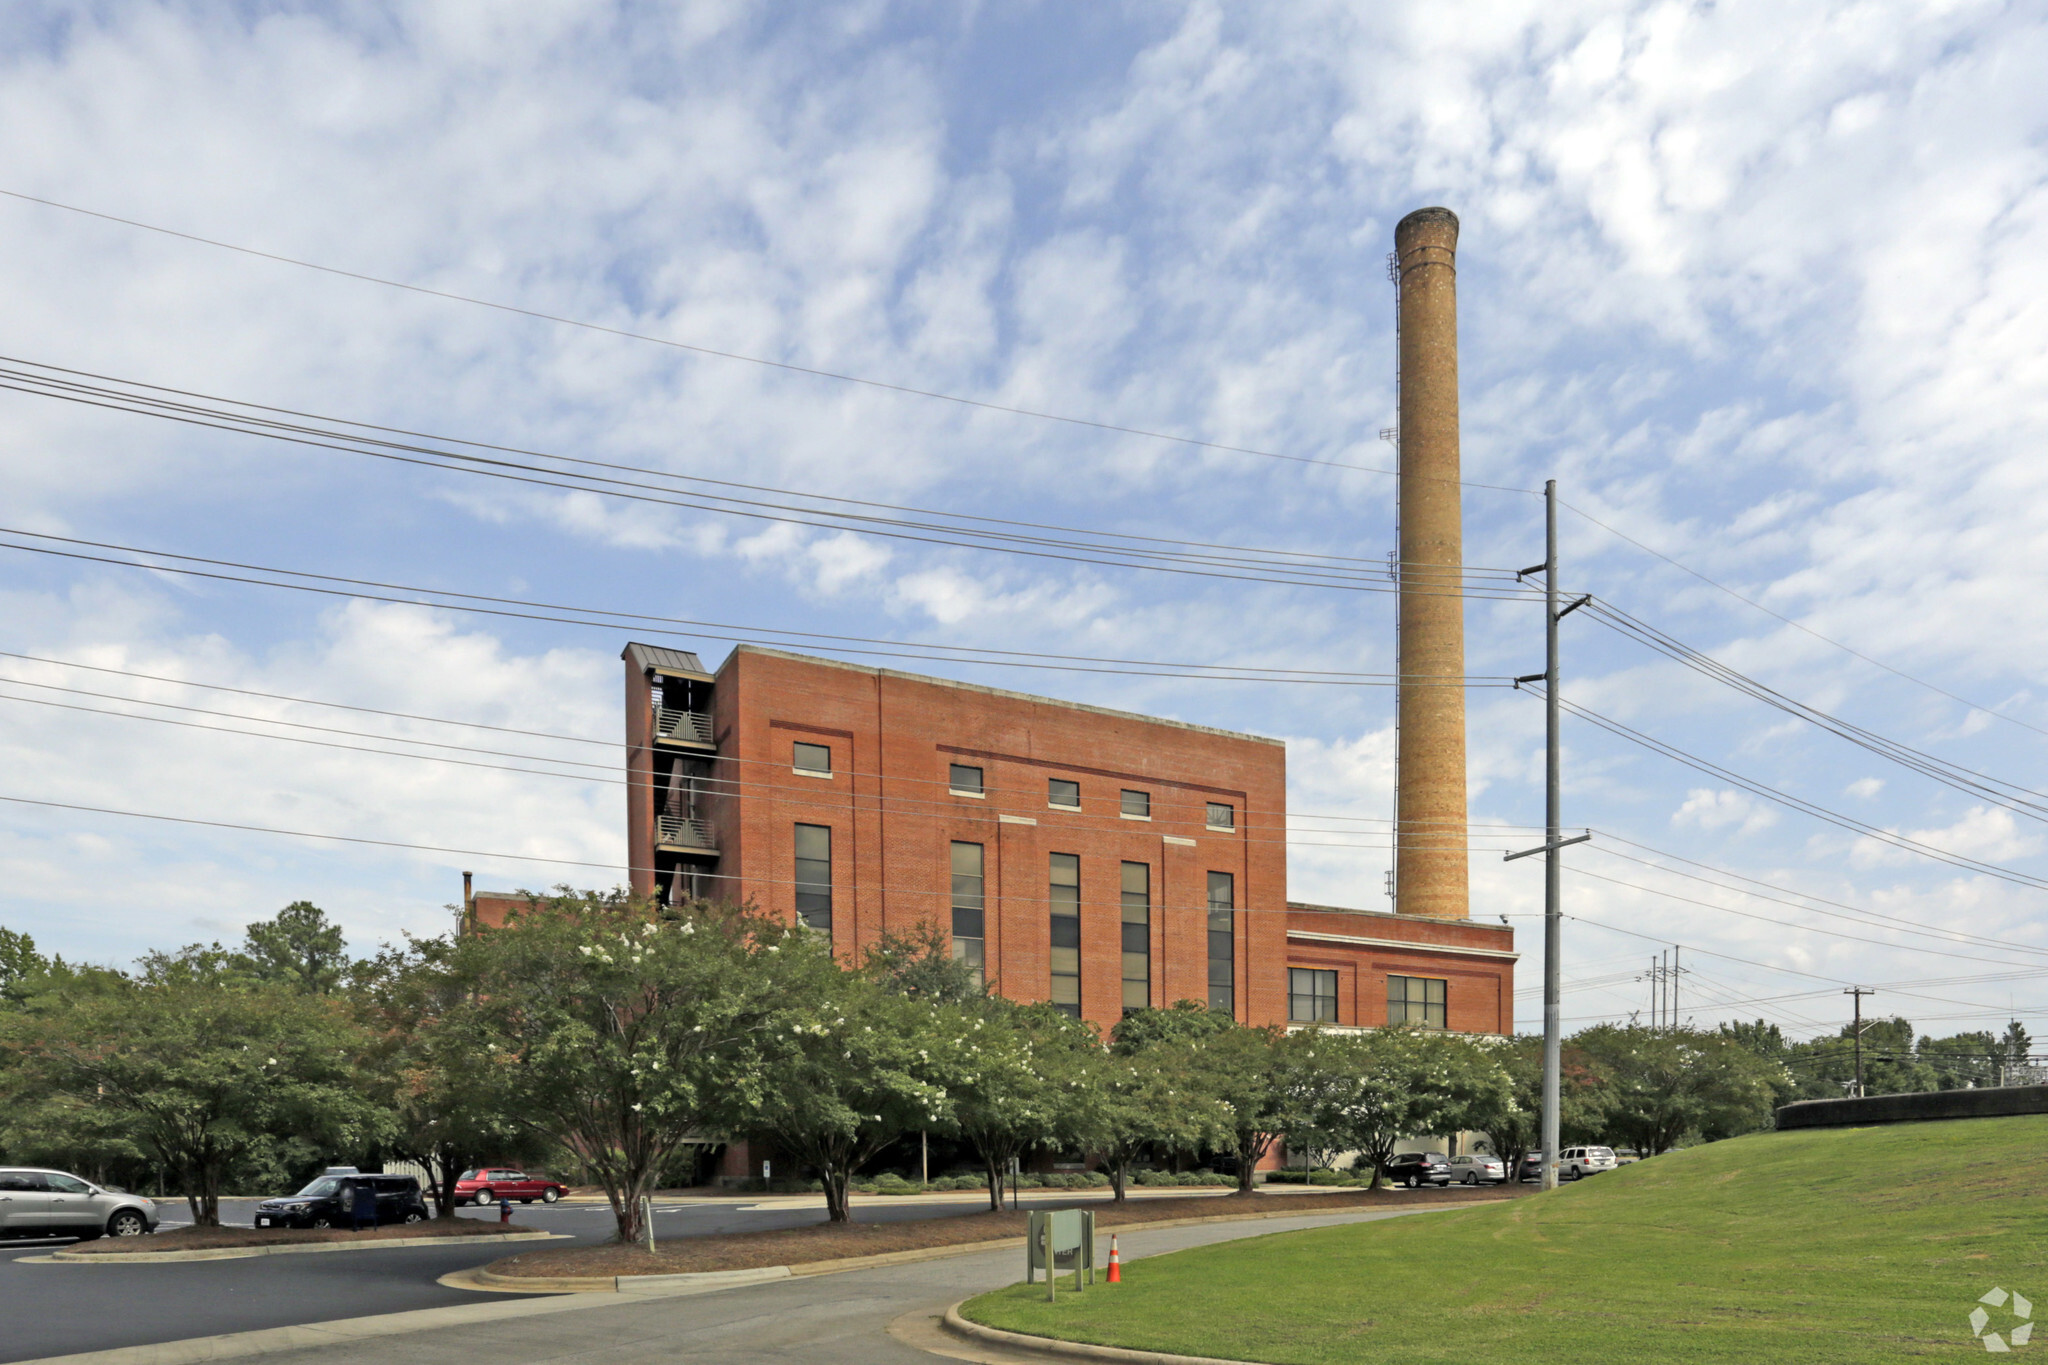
pixel 1094 858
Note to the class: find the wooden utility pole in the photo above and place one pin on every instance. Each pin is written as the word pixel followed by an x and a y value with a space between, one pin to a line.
pixel 1859 992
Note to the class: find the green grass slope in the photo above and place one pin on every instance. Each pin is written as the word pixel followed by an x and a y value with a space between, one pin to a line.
pixel 1850 1245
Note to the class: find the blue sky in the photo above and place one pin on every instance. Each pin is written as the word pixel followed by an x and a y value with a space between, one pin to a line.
pixel 1759 285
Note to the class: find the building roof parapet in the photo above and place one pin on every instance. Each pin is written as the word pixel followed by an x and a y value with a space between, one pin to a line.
pixel 1388 915
pixel 995 692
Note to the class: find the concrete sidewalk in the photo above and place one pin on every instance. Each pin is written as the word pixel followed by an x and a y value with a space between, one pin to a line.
pixel 831 1319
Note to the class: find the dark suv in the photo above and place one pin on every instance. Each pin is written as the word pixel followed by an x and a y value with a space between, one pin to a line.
pixel 1420 1168
pixel 329 1202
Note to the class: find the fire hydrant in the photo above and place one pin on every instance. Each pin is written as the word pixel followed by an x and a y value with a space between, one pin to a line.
pixel 504 1210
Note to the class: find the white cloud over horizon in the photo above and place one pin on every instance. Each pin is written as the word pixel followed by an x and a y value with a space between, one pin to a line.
pixel 1759 285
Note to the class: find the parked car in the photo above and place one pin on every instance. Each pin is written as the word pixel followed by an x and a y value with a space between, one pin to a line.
pixel 1532 1166
pixel 1479 1168
pixel 36 1202
pixel 490 1185
pixel 330 1202
pixel 1578 1162
pixel 1414 1169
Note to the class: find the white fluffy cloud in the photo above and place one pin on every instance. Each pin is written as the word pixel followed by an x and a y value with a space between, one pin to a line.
pixel 1759 284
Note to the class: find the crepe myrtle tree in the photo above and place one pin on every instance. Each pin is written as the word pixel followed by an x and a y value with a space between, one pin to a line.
pixel 1017 1090
pixel 419 1065
pixel 619 1029
pixel 205 1075
pixel 1398 1082
pixel 1516 1127
pixel 1658 1085
pixel 853 1068
pixel 1260 1079
pixel 1128 1105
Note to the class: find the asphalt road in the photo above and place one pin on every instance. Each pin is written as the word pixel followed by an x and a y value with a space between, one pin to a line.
pixel 97 1307
pixel 827 1319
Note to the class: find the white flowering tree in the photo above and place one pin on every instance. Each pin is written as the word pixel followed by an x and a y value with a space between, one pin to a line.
pixel 1020 1086
pixel 1394 1085
pixel 621 1033
pixel 853 1071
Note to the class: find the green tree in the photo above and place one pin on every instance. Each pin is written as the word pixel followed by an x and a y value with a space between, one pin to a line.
pixel 1961 1061
pixel 1261 1079
pixel 420 1066
pixel 204 1079
pixel 620 1034
pixel 1517 1127
pixel 299 947
pixel 19 961
pixel 1132 1102
pixel 1659 1085
pixel 2015 1050
pixel 857 1068
pixel 921 964
pixel 1183 1021
pixel 1017 1088
pixel 1405 1082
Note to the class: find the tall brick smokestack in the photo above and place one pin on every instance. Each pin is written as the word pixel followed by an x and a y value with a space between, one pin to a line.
pixel 1430 873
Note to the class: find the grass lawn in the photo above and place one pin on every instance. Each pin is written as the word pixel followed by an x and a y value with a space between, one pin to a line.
pixel 1851 1245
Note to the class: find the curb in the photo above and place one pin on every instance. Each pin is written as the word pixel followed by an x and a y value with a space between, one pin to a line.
pixel 627 1284
pixel 1068 1350
pixel 70 1257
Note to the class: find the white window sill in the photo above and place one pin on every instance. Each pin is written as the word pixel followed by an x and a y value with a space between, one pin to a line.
pixel 807 772
pixel 1054 805
pixel 1221 829
pixel 972 796
pixel 1126 815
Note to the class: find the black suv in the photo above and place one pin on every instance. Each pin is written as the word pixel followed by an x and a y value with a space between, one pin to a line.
pixel 1414 1169
pixel 329 1202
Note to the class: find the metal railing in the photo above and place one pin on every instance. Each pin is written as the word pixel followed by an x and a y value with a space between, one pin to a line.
pixel 680 831
pixel 689 727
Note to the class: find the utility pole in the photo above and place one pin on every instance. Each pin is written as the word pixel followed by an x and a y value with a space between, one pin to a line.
pixel 1676 972
pixel 1553 842
pixel 1859 992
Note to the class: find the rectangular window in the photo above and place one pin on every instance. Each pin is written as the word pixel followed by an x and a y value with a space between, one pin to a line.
pixel 970 907
pixel 1062 793
pixel 1417 1000
pixel 962 780
pixel 1065 902
pixel 1222 816
pixel 814 875
pixel 1137 935
pixel 1137 805
pixel 815 759
pixel 1222 943
pixel 1311 996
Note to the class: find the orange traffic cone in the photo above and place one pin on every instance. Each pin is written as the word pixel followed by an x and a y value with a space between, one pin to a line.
pixel 1116 1267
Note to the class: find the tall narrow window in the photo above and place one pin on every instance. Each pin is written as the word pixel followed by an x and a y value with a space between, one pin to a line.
pixel 1417 1000
pixel 1222 942
pixel 814 876
pixel 1137 935
pixel 1066 933
pixel 1311 996
pixel 970 907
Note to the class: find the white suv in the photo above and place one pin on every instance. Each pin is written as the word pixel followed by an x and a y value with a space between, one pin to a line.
pixel 36 1202
pixel 1575 1163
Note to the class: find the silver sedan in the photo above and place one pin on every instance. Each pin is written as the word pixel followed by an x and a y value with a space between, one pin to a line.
pixel 1479 1169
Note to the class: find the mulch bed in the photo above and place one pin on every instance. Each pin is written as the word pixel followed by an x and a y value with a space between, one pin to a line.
pixel 210 1239
pixel 835 1241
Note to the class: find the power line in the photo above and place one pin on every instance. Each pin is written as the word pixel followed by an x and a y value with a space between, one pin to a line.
pixel 1807 630
pixel 1801 805
pixel 787 366
pixel 618 620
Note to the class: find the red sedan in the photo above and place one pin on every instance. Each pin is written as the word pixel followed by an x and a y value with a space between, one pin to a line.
pixel 490 1185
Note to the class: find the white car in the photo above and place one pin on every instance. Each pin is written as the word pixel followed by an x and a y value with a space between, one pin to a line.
pixel 1575 1163
pixel 35 1202
pixel 1479 1169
